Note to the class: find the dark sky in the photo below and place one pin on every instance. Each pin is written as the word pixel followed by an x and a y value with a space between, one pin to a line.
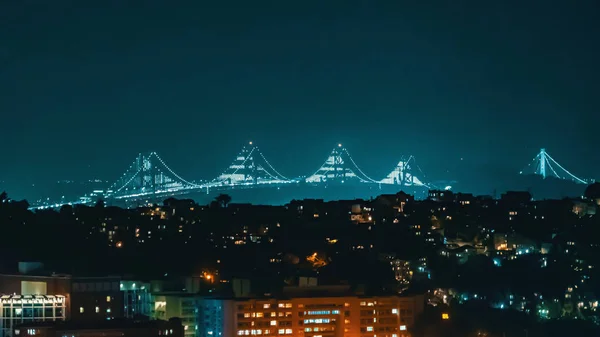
pixel 86 85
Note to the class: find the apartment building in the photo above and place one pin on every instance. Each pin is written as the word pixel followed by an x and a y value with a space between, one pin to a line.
pixel 309 315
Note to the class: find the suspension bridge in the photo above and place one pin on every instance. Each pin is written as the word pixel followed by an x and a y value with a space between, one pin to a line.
pixel 545 166
pixel 149 176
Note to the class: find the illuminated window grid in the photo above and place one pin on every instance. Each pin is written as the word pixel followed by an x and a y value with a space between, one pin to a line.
pixel 16 309
pixel 311 317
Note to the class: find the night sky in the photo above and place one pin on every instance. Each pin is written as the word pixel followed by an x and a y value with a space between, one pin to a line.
pixel 86 85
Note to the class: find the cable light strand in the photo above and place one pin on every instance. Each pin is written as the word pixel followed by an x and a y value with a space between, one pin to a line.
pixel 124 174
pixel 323 165
pixel 237 169
pixel 562 168
pixel 130 180
pixel 358 168
pixel 172 172
pixel 271 166
pixel 552 169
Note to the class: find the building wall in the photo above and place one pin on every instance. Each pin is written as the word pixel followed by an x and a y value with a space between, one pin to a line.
pixel 19 309
pixel 55 285
pixel 389 316
pixel 28 298
pixel 183 306
pixel 96 299
pixel 109 298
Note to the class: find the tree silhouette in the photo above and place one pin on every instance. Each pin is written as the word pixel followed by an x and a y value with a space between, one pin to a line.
pixel 3 197
pixel 223 200
pixel 592 191
pixel 100 203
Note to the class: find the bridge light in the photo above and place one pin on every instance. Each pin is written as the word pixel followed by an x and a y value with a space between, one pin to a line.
pixel 340 145
pixel 250 143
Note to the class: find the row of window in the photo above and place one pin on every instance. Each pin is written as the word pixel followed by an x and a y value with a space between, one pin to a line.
pixel 261 314
pixel 97 310
pixel 266 306
pixel 322 312
pixel 260 332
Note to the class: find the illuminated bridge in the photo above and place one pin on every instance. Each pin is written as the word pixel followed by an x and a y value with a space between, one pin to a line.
pixel 544 165
pixel 149 176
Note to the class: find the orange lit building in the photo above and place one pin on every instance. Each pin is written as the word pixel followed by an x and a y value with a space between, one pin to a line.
pixel 307 315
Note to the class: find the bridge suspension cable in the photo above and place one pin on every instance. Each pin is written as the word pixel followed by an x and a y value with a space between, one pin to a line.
pixel 367 178
pixel 172 172
pixel 279 175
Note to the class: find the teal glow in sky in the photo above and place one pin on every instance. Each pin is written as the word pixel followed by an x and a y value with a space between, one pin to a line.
pixel 86 86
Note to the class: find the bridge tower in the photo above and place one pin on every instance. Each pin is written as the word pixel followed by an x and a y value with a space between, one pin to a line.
pixel 250 167
pixel 339 166
pixel 542 156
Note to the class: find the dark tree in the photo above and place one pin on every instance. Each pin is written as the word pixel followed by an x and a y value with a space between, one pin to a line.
pixel 223 200
pixel 100 203
pixel 592 191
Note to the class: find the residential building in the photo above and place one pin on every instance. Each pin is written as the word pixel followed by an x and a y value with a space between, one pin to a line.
pixel 180 305
pixel 326 311
pixel 106 298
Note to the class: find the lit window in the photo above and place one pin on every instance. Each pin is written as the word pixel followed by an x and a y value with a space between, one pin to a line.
pixel 288 305
pixel 259 314
pixel 266 306
pixel 394 311
pixel 281 331
pixel 97 309
pixel 107 298
pixel 273 323
pixel 362 304
pixel 403 328
pixel 246 315
pixel 273 314
pixel 288 331
pixel 240 332
pixel 394 335
pixel 369 328
pixel 281 305
pixel 81 310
